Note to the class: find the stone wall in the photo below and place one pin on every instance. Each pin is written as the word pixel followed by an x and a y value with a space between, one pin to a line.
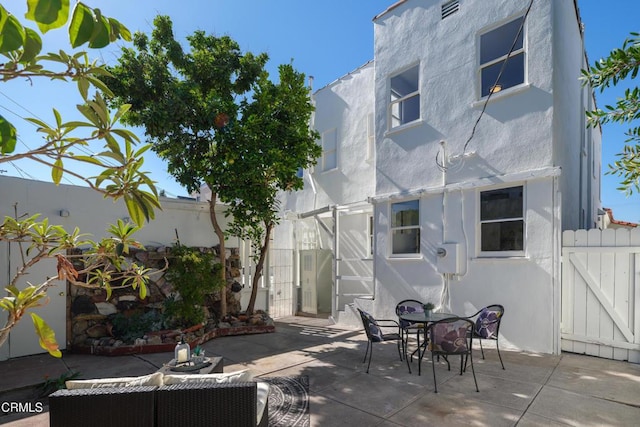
pixel 91 316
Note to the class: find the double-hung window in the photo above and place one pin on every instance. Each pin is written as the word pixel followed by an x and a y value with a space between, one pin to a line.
pixel 404 104
pixel 329 150
pixel 494 51
pixel 405 227
pixel 502 220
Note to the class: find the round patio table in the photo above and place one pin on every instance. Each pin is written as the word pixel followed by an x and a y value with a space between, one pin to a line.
pixel 424 318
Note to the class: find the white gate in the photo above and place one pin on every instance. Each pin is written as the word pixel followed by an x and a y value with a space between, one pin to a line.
pixel 281 296
pixel 601 293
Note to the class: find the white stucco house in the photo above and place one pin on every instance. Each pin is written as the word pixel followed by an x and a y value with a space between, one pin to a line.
pixel 442 182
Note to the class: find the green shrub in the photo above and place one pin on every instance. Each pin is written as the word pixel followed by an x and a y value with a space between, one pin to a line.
pixel 135 326
pixel 194 275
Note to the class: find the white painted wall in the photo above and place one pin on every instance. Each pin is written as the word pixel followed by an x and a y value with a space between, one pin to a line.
pixel 346 106
pixel 527 135
pixel 89 211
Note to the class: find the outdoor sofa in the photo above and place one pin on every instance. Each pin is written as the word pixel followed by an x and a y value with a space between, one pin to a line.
pixel 199 400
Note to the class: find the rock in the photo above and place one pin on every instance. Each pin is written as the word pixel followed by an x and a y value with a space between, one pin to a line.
pixel 142 256
pixel 154 339
pixel 140 341
pixel 224 325
pixel 127 298
pixel 117 343
pixel 106 308
pixel 97 331
pixel 106 342
pixel 256 321
pixel 83 305
pixel 79 327
pixel 79 339
pixel 154 274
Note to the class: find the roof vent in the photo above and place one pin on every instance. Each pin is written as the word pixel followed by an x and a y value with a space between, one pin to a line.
pixel 450 7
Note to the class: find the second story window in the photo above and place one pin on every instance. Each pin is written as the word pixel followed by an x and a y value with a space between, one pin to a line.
pixel 494 48
pixel 404 105
pixel 329 150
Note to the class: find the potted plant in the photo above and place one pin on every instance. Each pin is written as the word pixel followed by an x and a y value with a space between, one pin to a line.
pixel 428 308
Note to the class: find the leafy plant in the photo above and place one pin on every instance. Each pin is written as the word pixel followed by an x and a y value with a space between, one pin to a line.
pixel 622 63
pixel 119 163
pixel 428 306
pixel 51 385
pixel 194 275
pixel 135 326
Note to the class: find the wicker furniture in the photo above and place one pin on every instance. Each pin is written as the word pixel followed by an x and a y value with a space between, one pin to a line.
pixel 227 404
pixel 197 405
pixel 103 407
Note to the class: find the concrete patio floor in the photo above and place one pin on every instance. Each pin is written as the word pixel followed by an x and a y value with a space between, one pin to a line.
pixel 534 390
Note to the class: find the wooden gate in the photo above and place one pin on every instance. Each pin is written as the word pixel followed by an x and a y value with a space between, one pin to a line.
pixel 601 293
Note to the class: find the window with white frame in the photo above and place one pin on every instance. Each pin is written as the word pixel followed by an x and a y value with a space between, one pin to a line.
pixel 502 220
pixel 405 227
pixel 329 149
pixel 494 48
pixel 404 105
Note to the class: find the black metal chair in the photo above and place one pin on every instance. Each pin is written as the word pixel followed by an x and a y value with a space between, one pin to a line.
pixel 373 329
pixel 487 326
pixel 451 337
pixel 405 327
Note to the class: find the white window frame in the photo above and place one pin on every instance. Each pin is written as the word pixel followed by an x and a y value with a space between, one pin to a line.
pixel 329 137
pixel 400 101
pixel 516 52
pixel 506 253
pixel 392 228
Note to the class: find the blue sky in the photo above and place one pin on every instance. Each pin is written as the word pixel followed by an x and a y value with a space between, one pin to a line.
pixel 324 38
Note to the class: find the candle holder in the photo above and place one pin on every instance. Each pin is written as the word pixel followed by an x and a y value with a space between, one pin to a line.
pixel 182 352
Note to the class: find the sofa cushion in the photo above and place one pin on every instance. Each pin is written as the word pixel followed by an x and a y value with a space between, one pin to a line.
pixel 238 376
pixel 154 379
pixel 263 394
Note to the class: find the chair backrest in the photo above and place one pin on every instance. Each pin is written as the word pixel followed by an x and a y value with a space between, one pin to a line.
pixel 371 328
pixel 451 336
pixel 408 306
pixel 487 324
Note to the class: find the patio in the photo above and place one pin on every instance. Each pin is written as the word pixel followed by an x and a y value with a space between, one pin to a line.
pixel 533 390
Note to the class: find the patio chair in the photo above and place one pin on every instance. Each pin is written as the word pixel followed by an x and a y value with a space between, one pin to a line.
pixel 372 328
pixel 487 326
pixel 451 337
pixel 405 327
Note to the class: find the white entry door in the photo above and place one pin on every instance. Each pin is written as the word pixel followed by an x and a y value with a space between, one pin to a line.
pixel 23 340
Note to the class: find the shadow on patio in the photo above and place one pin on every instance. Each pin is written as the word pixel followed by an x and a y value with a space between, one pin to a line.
pixel 533 390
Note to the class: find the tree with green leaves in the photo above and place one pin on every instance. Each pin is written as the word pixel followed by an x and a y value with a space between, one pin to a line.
pixel 213 114
pixel 119 163
pixel 622 63
pixel 274 143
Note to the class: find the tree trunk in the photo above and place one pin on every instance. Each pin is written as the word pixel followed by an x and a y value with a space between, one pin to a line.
pixel 222 255
pixel 259 267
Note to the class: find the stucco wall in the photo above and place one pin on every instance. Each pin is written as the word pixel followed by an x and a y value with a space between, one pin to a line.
pixel 92 214
pixel 515 132
pixel 528 135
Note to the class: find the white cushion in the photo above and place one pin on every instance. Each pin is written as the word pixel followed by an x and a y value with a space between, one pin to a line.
pixel 237 377
pixel 263 393
pixel 154 379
